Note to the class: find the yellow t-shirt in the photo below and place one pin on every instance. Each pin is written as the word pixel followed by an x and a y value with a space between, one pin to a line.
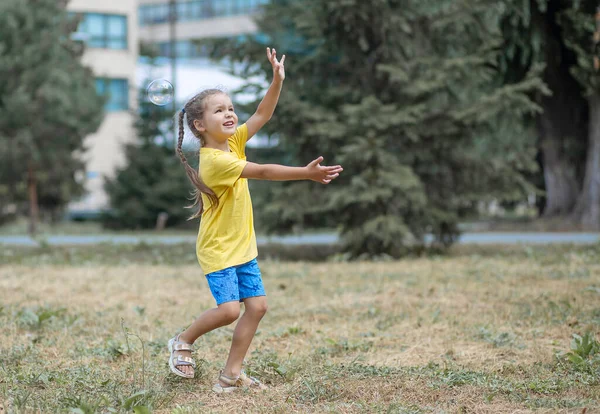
pixel 226 237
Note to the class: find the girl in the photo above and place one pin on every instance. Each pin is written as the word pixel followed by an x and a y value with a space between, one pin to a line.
pixel 226 245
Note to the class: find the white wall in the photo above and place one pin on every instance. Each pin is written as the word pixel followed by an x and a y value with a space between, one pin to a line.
pixel 104 148
pixel 216 27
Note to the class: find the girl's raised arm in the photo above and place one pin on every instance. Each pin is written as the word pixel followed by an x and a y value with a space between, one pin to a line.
pixel 265 109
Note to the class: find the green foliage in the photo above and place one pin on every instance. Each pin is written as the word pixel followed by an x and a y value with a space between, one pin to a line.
pixel 584 355
pixel 577 22
pixel 78 405
pixel 35 318
pixel 267 366
pixel 558 35
pixel 48 104
pixel 584 347
pixel 497 340
pixel 153 181
pixel 404 95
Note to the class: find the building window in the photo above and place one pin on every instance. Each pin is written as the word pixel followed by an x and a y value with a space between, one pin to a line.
pixel 117 92
pixel 108 31
pixel 153 14
pixel 183 49
pixel 197 10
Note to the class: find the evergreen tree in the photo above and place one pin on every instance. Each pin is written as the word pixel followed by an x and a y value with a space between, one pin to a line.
pixel 580 28
pixel 534 34
pixel 403 94
pixel 48 104
pixel 153 180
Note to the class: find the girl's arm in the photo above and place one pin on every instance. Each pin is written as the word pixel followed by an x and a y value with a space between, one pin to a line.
pixel 265 110
pixel 313 171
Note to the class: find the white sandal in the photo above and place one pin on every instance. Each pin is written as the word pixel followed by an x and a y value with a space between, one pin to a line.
pixel 179 360
pixel 237 383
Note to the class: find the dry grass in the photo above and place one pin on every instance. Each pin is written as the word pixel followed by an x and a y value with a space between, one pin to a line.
pixel 471 332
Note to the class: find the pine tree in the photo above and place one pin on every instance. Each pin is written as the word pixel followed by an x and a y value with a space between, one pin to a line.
pixel 580 28
pixel 534 34
pixel 48 104
pixel 403 94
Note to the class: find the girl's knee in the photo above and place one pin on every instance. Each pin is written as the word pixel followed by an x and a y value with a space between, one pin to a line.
pixel 257 307
pixel 230 312
pixel 262 309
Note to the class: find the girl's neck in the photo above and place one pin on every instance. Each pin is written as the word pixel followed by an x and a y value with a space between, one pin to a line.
pixel 212 143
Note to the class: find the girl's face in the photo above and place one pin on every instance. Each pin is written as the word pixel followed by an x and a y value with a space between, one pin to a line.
pixel 219 121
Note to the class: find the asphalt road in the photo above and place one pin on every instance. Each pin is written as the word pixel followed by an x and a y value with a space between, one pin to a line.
pixel 322 239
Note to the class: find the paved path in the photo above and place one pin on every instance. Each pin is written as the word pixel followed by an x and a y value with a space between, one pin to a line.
pixel 321 239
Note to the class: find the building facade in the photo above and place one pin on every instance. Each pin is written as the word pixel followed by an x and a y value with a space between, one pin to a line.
pixel 110 30
pixel 195 19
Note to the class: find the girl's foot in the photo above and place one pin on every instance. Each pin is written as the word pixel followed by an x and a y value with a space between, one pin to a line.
pixel 180 360
pixel 230 384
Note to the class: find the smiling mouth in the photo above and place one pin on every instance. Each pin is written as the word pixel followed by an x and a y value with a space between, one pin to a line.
pixel 228 124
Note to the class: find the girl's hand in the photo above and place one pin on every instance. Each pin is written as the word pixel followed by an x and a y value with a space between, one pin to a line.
pixel 323 175
pixel 278 69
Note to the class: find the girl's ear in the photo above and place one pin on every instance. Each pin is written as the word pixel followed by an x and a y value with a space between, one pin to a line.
pixel 198 125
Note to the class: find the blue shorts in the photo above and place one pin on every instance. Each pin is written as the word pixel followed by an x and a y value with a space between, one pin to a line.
pixel 236 283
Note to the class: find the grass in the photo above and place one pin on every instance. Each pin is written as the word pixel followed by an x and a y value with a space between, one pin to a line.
pixel 74 228
pixel 519 224
pixel 522 224
pixel 20 227
pixel 481 330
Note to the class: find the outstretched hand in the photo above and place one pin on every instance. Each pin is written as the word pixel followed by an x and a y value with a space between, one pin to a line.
pixel 322 174
pixel 278 69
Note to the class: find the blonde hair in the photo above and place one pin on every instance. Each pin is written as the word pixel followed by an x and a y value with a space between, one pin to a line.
pixel 194 109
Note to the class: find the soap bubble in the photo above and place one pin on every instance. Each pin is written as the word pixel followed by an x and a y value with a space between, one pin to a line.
pixel 160 92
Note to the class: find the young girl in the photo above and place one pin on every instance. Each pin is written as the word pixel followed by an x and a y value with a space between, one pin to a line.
pixel 226 245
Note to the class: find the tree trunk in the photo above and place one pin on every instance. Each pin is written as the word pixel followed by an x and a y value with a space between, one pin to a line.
pixel 562 125
pixel 587 212
pixel 560 178
pixel 34 211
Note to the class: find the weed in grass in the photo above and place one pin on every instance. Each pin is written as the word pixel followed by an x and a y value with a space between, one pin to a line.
pixel 594 316
pixel 287 331
pixel 365 371
pixel 266 365
pixel 396 408
pixel 35 318
pixel 533 402
pixel 139 310
pixel 189 408
pixel 584 355
pixel 112 349
pixel 579 273
pixel 91 362
pixel 339 347
pixel 155 347
pixel 317 389
pixel 546 310
pixel 496 339
pixel 388 320
pixel 295 330
pixel 77 404
pixel 583 347
pixel 127 334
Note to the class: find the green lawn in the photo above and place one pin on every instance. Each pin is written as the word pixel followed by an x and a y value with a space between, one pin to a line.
pixel 20 227
pixel 481 330
pixel 477 225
